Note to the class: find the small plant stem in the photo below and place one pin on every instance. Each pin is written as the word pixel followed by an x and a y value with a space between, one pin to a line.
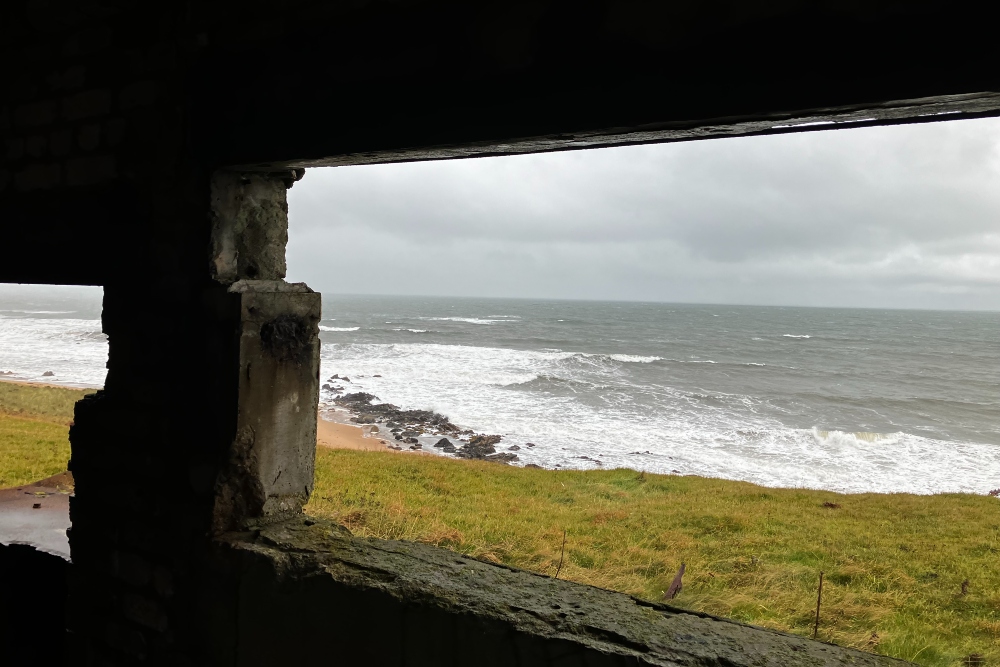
pixel 562 553
pixel 819 600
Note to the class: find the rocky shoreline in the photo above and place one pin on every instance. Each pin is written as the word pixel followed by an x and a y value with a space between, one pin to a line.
pixel 415 429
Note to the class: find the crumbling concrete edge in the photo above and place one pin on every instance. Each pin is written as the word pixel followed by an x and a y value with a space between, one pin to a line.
pixel 528 607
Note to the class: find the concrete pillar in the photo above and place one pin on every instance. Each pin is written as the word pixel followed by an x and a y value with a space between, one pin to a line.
pixel 269 471
pixel 207 422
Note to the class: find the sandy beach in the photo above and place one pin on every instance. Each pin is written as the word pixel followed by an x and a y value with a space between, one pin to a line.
pixel 334 435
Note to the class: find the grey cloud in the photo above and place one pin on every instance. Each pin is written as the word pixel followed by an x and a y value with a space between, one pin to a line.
pixel 902 216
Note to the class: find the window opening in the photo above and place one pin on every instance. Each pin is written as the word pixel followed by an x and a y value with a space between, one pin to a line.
pixel 53 354
pixel 814 314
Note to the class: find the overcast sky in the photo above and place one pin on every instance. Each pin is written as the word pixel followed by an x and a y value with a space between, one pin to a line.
pixel 905 217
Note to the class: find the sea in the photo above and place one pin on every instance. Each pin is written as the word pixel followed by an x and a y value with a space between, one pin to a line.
pixel 849 400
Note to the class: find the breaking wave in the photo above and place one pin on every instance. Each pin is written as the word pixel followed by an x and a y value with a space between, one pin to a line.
pixel 467 320
pixel 856 437
pixel 618 409
pixel 623 358
pixel 37 312
pixel 75 350
pixel 633 358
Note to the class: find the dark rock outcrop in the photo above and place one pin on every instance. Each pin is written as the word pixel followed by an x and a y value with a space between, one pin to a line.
pixel 503 457
pixel 356 399
pixel 485 440
pixel 479 447
pixel 407 425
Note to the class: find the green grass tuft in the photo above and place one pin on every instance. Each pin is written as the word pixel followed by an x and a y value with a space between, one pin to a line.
pixel 34 431
pixel 31 450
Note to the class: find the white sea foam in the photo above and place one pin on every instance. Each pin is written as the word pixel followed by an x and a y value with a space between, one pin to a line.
pixel 617 408
pixel 633 358
pixel 854 438
pixel 575 404
pixel 37 312
pixel 75 350
pixel 411 330
pixel 624 358
pixel 794 336
pixel 467 320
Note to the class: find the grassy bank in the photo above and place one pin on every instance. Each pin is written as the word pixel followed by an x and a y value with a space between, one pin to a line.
pixel 34 431
pixel 894 564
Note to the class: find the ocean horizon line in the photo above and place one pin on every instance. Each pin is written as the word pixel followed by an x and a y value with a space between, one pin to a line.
pixel 651 302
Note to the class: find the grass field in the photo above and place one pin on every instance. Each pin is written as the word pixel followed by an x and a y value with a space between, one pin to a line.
pixel 34 428
pixel 894 564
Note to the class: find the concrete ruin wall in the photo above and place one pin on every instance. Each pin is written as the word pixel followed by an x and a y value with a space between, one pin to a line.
pixel 114 115
pixel 147 147
pixel 397 603
pixel 32 604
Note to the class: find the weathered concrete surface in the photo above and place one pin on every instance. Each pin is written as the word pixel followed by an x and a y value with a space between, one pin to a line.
pixel 249 225
pixel 270 468
pixel 206 421
pixel 449 79
pixel 923 110
pixel 307 590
